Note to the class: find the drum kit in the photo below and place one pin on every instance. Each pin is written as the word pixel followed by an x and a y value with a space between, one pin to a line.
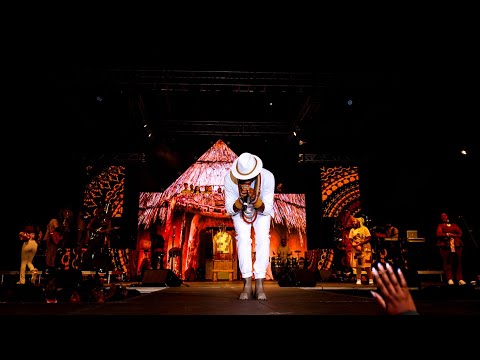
pixel 284 265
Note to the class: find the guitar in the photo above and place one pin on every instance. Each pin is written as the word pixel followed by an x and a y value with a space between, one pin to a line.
pixel 95 234
pixel 102 231
pixel 361 252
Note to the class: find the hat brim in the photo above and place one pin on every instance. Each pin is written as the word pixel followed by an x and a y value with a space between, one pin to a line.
pixel 250 175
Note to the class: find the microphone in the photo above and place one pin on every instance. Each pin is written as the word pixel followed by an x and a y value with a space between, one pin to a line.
pixel 245 202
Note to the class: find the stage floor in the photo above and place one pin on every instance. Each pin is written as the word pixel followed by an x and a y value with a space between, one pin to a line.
pixel 206 313
pixel 207 298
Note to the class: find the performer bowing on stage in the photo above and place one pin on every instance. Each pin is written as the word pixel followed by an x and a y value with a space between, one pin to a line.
pixel 249 192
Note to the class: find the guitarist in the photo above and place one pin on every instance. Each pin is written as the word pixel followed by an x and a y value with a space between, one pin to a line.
pixel 99 228
pixel 362 250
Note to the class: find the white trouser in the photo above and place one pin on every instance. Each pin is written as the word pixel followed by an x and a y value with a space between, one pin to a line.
pixel 29 249
pixel 244 245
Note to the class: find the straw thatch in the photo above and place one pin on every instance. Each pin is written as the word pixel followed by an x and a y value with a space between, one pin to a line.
pixel 210 169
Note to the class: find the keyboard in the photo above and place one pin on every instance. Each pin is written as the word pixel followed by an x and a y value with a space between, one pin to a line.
pixel 391 239
pixel 416 240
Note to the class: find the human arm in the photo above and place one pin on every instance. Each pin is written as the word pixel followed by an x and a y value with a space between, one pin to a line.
pixel 255 199
pixel 351 235
pixel 284 251
pixel 24 236
pixel 289 252
pixel 247 196
pixel 267 192
pixel 355 238
pixel 53 232
pixel 90 225
pixel 392 293
pixel 441 231
pixel 231 195
pixel 364 240
pixel 99 225
pixel 56 236
pixel 394 233
pixel 455 230
pixel 360 237
pixel 448 230
pixel 38 234
pixel 367 236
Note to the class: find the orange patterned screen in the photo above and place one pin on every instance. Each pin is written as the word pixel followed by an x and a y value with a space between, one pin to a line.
pixel 340 191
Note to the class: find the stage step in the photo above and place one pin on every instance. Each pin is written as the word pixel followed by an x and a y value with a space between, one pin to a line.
pixel 432 272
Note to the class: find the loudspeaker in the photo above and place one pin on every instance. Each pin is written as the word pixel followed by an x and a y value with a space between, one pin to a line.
pixel 161 277
pixel 298 278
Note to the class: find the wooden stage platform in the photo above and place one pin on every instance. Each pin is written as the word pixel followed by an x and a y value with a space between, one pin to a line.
pixel 312 315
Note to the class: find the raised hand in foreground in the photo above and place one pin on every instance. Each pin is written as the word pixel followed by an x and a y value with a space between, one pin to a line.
pixel 392 292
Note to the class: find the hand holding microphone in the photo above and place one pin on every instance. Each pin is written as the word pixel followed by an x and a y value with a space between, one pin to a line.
pixel 246 194
pixel 248 199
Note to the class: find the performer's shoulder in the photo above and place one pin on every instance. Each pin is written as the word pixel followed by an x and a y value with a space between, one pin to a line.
pixel 267 174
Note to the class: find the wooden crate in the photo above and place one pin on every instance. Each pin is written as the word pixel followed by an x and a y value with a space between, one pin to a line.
pixel 224 269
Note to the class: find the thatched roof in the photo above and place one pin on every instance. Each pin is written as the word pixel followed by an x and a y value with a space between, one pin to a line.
pixel 210 169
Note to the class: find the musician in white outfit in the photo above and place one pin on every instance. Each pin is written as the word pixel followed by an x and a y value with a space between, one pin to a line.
pixel 29 238
pixel 249 193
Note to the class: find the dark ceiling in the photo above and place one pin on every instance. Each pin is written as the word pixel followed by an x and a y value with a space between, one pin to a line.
pixel 95 110
pixel 132 109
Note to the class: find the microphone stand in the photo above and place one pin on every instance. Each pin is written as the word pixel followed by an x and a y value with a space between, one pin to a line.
pixel 470 233
pixel 472 238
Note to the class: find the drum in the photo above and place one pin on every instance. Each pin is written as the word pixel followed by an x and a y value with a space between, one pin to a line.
pixel 62 258
pixel 102 260
pixel 277 266
pixel 67 258
pixel 292 263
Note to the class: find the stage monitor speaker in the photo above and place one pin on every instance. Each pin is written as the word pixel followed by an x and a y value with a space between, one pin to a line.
pixel 298 278
pixel 160 278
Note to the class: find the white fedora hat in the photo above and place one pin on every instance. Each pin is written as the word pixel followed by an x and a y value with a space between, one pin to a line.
pixel 246 166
